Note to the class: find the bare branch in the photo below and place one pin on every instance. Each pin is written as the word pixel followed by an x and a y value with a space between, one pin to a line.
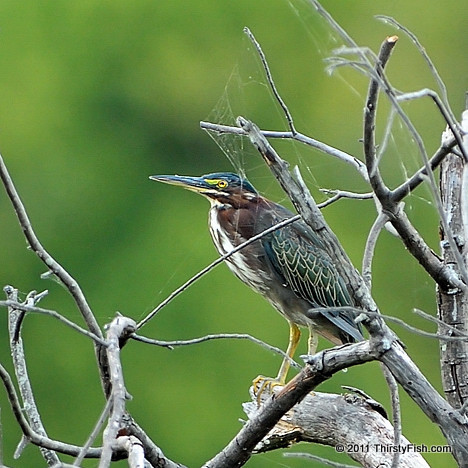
pixel 134 448
pixel 52 313
pixel 417 331
pixel 94 433
pixel 452 305
pixel 229 336
pixel 41 252
pixel 451 123
pixel 444 326
pixel 339 421
pixel 411 238
pixel 263 59
pixel 438 410
pixel 396 413
pixel 371 242
pixel 375 178
pixel 338 194
pixel 422 51
pixel 33 437
pixel 421 175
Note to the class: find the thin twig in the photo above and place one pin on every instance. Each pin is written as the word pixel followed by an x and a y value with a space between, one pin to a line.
pixel 451 123
pixel 52 313
pixel 375 178
pixel 353 311
pixel 278 97
pixel 425 55
pixel 371 242
pixel 339 194
pixel 336 26
pixel 221 336
pixel 459 334
pixel 396 413
pixel 213 264
pixel 421 175
pixel 418 331
pixel 94 433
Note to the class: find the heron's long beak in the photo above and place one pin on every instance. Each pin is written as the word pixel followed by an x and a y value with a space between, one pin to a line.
pixel 196 184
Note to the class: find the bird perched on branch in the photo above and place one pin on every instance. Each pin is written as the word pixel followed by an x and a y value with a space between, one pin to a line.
pixel 289 267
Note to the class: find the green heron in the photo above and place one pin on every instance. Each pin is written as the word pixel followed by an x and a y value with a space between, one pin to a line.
pixel 289 267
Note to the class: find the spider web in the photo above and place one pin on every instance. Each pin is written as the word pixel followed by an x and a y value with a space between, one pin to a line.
pixel 249 94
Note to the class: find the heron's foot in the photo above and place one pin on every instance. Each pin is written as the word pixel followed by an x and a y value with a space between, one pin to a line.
pixel 262 383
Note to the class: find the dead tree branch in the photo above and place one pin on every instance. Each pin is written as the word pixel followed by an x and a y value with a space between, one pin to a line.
pixel 271 82
pixel 343 421
pixel 452 305
pixel 219 336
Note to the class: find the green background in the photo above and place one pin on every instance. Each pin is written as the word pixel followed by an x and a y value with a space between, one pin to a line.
pixel 95 96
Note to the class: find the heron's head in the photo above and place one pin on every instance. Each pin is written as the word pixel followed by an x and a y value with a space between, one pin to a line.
pixel 221 188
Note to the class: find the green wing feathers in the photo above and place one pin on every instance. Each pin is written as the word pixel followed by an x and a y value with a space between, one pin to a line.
pixel 308 270
pixel 301 260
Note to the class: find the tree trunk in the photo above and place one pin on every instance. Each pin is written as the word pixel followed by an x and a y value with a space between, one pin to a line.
pixel 453 305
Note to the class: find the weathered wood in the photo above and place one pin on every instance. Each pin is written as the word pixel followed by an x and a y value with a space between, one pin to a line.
pixel 347 422
pixel 453 304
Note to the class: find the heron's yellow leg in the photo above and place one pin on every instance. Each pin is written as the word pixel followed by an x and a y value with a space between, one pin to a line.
pixel 261 383
pixel 294 336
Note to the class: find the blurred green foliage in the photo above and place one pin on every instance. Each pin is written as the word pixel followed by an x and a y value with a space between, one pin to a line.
pixel 97 96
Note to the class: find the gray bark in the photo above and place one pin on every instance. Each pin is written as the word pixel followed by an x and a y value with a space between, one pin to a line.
pixel 453 304
pixel 349 423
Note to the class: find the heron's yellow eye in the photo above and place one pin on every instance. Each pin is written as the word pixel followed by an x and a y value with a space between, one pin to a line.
pixel 222 184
